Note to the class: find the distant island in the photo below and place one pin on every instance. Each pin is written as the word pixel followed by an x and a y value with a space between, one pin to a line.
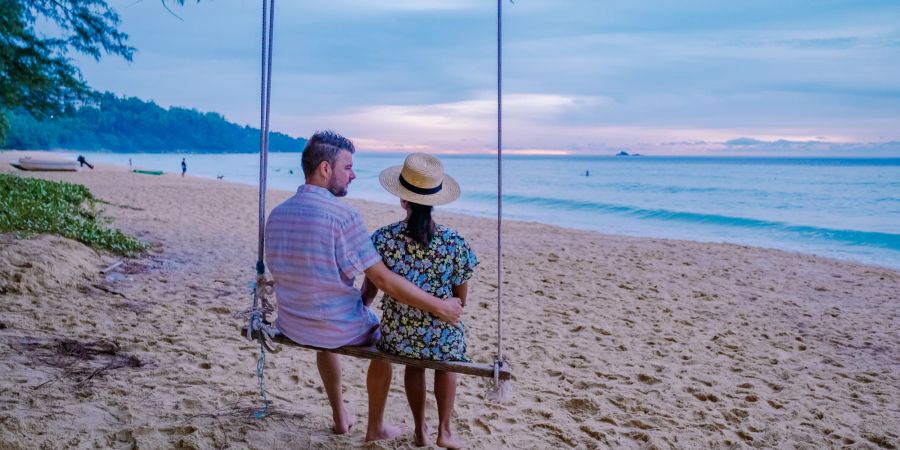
pixel 624 153
pixel 129 124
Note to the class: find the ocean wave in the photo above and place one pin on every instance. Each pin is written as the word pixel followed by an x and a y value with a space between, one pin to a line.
pixel 856 237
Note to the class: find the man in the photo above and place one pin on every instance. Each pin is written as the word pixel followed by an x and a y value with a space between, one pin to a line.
pixel 183 167
pixel 83 162
pixel 316 246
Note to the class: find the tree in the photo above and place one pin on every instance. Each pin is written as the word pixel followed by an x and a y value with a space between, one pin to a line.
pixel 4 125
pixel 129 124
pixel 35 73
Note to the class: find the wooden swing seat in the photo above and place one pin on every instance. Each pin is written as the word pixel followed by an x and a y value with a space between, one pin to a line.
pixel 370 352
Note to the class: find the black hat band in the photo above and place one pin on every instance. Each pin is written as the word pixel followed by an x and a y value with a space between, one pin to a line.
pixel 418 190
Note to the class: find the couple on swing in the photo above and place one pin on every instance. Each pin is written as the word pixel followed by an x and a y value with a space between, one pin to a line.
pixel 316 246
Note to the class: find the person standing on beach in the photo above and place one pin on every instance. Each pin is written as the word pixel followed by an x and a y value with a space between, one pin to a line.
pixel 83 162
pixel 316 246
pixel 183 167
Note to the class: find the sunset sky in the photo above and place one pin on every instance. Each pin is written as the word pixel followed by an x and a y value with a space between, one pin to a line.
pixel 775 78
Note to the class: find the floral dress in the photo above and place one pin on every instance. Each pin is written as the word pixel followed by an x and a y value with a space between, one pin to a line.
pixel 448 261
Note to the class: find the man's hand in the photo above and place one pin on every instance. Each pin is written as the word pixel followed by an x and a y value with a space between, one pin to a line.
pixel 450 311
pixel 402 290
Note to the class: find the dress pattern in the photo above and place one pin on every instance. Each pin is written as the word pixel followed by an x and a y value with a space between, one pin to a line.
pixel 446 262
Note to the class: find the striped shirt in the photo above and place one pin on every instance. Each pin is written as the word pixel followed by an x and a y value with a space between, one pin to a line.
pixel 315 247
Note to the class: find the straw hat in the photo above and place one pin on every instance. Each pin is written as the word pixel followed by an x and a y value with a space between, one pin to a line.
pixel 421 179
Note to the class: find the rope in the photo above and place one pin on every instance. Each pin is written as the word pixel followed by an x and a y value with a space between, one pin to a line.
pixel 499 183
pixel 499 391
pixel 265 99
pixel 260 366
pixel 263 146
pixel 264 153
pixel 261 289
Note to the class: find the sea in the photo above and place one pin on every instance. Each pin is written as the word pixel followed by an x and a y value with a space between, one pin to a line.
pixel 844 208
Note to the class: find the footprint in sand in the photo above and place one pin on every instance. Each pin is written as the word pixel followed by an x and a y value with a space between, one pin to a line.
pixel 579 407
pixel 557 433
pixel 482 425
pixel 647 379
pixel 609 420
pixel 635 423
pixel 595 434
pixel 744 435
pixel 702 396
pixel 539 413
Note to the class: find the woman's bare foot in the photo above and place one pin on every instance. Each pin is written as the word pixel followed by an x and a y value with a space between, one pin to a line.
pixel 420 437
pixel 386 432
pixel 343 422
pixel 446 440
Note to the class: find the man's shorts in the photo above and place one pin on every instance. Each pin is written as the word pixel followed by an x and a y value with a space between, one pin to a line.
pixel 369 338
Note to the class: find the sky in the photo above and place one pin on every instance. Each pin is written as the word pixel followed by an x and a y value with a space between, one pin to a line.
pixel 656 77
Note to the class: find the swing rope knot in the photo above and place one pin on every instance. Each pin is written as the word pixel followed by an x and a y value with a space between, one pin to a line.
pixel 258 324
pixel 498 391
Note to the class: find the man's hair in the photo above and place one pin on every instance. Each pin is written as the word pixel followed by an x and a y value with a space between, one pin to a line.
pixel 323 146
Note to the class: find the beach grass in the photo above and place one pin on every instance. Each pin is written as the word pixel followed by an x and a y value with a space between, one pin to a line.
pixel 31 206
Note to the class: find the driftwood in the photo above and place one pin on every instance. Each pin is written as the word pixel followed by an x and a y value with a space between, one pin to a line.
pixel 112 266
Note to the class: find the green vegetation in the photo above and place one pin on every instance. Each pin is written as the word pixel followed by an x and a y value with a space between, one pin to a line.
pixel 29 206
pixel 36 70
pixel 46 104
pixel 133 125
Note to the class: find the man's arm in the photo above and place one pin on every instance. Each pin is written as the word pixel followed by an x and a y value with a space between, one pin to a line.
pixel 400 289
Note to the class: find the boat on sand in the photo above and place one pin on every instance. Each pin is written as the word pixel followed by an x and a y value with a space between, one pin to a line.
pixel 45 163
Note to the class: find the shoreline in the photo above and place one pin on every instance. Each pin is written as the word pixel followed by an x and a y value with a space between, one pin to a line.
pixel 615 342
pixel 364 201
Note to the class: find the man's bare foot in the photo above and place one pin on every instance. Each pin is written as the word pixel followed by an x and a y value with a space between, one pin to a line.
pixel 447 441
pixel 420 437
pixel 386 432
pixel 343 423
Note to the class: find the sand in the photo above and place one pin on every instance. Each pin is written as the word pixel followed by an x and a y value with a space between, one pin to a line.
pixel 615 342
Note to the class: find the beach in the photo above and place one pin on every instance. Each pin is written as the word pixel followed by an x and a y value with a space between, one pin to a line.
pixel 615 342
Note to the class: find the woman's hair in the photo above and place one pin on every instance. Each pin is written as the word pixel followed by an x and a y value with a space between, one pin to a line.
pixel 419 227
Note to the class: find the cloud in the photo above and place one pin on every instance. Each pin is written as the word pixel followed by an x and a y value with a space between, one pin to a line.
pixel 699 77
pixel 786 147
pixel 467 125
pixel 406 5
pixel 831 42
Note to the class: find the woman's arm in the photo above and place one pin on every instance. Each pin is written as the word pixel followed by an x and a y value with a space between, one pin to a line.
pixel 368 291
pixel 461 291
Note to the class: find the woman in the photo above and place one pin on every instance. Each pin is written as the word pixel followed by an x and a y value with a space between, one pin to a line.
pixel 437 260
